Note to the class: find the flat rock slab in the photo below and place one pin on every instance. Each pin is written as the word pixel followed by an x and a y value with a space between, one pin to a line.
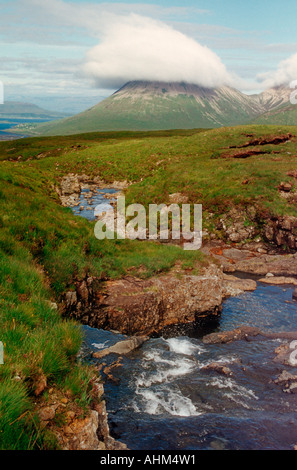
pixel 245 332
pixel 229 336
pixel 122 347
pixel 279 280
pixel 252 262
pixel 234 285
pixel 146 306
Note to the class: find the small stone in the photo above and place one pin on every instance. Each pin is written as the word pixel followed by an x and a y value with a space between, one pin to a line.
pixel 41 385
pixel 53 305
pixel 269 275
pixel 70 415
pixel 178 198
pixel 71 298
pixel 47 413
pixel 285 187
pixel 68 430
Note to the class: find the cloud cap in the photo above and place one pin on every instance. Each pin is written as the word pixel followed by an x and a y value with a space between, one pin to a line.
pixel 135 47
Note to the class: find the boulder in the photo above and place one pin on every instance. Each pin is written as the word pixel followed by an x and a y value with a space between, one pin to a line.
pixel 146 306
pixel 223 337
pixel 219 368
pixel 285 378
pixel 279 280
pixel 235 286
pixel 122 347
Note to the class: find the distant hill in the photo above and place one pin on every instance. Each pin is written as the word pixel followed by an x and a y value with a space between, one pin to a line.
pixel 155 105
pixel 18 110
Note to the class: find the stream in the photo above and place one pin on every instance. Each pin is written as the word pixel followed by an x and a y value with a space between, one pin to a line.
pixel 160 398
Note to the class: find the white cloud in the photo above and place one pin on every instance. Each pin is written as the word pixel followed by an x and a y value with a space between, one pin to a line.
pixel 285 73
pixel 135 47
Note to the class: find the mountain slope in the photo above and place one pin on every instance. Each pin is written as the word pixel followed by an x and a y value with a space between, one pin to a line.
pixel 157 105
pixel 279 109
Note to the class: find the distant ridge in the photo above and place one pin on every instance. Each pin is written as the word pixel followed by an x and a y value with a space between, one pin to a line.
pixel 20 110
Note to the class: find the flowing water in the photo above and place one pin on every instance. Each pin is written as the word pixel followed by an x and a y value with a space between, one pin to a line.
pixel 161 399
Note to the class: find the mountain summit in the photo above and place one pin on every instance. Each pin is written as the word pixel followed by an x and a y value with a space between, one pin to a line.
pixel 143 105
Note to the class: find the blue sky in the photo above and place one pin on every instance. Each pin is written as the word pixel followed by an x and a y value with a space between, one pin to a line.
pixel 68 55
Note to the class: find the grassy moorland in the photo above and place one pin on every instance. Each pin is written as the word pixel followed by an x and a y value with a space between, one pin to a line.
pixel 44 248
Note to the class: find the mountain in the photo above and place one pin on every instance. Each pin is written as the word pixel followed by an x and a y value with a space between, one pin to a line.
pixel 26 111
pixel 279 109
pixel 143 105
pixel 274 97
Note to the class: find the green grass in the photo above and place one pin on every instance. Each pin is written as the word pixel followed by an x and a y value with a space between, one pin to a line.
pixel 45 249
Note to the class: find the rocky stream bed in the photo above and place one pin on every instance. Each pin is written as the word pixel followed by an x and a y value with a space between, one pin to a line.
pixel 204 357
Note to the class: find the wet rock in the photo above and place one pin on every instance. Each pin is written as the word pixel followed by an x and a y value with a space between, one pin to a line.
pixel 136 306
pixel 109 369
pixel 103 432
pixel 292 388
pixel 242 332
pixel 285 378
pixel 245 332
pixel 219 368
pixel 122 347
pixel 294 295
pixel 235 286
pixel 283 354
pixel 279 265
pixel 279 280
